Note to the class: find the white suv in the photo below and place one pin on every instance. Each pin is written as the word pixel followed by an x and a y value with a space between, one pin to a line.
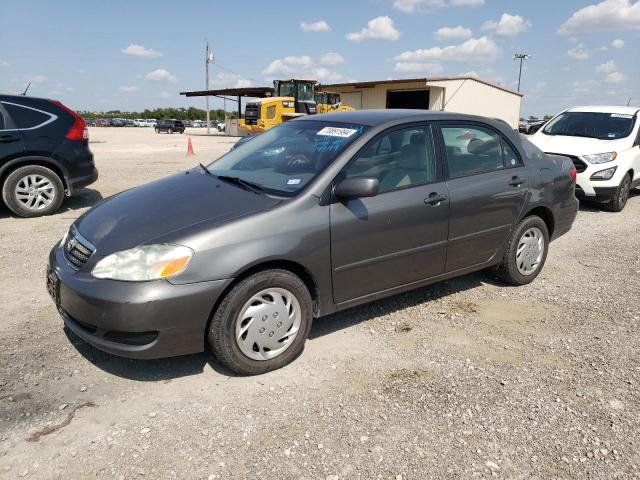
pixel 604 144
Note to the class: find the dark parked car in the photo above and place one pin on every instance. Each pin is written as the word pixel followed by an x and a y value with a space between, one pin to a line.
pixel 44 153
pixel 245 253
pixel 117 122
pixel 170 126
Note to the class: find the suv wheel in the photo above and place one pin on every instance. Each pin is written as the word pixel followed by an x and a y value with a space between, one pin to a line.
pixel 621 196
pixel 526 252
pixel 262 323
pixel 33 191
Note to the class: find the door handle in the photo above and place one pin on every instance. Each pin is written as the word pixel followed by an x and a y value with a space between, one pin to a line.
pixel 516 181
pixel 435 198
pixel 8 139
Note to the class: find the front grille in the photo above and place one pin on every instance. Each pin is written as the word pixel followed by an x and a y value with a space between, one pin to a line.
pixel 251 113
pixel 77 249
pixel 579 164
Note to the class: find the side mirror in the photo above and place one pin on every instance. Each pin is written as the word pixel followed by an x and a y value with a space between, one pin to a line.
pixel 357 187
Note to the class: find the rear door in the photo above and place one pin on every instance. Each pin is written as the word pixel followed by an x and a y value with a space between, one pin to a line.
pixel 11 140
pixel 488 184
pixel 399 236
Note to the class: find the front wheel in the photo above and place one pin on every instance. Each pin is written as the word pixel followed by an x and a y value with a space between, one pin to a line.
pixel 157 130
pixel 262 323
pixel 33 191
pixel 526 252
pixel 621 195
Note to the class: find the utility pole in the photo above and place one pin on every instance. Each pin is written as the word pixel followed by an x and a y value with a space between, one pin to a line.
pixel 208 58
pixel 521 57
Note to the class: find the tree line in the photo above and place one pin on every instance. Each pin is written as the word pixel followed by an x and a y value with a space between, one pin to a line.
pixel 190 113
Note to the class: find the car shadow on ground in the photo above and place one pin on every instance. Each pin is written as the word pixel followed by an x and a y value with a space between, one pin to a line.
pixel 83 198
pixel 597 207
pixel 175 367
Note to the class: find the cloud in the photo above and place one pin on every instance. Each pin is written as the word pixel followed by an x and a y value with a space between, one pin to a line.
pixel 606 16
pixel 136 50
pixel 161 75
pixel 418 67
pixel 223 79
pixel 481 49
pixel 331 58
pixel 617 43
pixel 4 63
pixel 508 25
pixel 446 33
pixel 603 48
pixel 607 67
pixel 37 79
pixel 305 66
pixel 615 77
pixel 578 52
pixel 380 28
pixel 320 26
pixel 425 6
pixel 128 88
pixel 164 95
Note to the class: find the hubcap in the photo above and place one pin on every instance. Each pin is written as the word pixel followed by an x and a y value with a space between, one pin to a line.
pixel 530 251
pixel 35 192
pixel 268 323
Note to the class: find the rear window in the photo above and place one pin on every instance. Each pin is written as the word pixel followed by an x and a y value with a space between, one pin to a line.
pixel 25 117
pixel 179 124
pixel 604 126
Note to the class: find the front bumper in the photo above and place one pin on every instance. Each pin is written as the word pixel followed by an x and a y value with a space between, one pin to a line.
pixel 142 320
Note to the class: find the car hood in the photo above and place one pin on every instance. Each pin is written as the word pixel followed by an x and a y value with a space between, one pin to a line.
pixel 166 206
pixel 576 145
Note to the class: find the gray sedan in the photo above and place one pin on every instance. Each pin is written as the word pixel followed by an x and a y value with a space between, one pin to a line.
pixel 317 215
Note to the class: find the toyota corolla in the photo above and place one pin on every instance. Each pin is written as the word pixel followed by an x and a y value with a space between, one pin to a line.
pixel 317 215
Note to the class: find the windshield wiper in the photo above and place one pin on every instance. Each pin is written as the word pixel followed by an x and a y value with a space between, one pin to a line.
pixel 206 170
pixel 246 184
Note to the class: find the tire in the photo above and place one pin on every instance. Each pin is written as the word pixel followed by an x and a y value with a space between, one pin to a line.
pixel 33 191
pixel 513 269
pixel 621 196
pixel 157 130
pixel 227 325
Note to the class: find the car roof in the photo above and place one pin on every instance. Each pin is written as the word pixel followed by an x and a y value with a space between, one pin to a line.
pixel 605 109
pixel 382 116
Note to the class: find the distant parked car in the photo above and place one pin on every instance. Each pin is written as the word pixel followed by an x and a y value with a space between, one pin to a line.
pixel 117 122
pixel 221 126
pixel 187 123
pixel 604 145
pixel 170 126
pixel 314 216
pixel 535 126
pixel 102 122
pixel 129 123
pixel 44 153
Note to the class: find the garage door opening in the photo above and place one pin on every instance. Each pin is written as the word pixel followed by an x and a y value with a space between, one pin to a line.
pixel 416 99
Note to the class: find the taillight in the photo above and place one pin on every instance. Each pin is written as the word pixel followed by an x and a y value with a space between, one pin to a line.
pixel 78 130
pixel 573 172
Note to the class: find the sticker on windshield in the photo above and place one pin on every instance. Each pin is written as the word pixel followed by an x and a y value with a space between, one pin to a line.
pixel 621 115
pixel 294 181
pixel 337 132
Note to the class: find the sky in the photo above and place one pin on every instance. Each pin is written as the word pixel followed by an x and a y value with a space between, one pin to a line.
pixel 131 55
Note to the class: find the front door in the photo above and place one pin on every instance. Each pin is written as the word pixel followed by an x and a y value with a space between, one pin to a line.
pixel 488 187
pixel 399 236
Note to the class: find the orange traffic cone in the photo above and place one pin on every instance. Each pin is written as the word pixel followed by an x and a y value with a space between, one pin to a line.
pixel 190 148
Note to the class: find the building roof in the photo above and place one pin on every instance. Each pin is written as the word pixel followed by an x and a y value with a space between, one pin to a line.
pixel 426 80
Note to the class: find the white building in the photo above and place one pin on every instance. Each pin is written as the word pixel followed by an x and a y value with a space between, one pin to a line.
pixel 451 94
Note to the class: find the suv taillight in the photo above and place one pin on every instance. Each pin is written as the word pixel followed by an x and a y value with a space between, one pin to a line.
pixel 78 130
pixel 573 172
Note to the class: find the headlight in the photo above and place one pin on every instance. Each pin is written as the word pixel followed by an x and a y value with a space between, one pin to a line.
pixel 601 157
pixel 287 104
pixel 147 262
pixel 604 174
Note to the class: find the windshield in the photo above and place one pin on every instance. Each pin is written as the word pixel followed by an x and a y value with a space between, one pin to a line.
pixel 604 126
pixel 286 158
pixel 286 89
pixel 305 91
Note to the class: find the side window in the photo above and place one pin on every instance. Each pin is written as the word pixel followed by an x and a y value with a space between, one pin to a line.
pixel 25 117
pixel 398 159
pixel 510 156
pixel 472 150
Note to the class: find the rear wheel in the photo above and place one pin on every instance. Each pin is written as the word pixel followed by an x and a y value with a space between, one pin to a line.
pixel 262 323
pixel 621 196
pixel 33 191
pixel 526 252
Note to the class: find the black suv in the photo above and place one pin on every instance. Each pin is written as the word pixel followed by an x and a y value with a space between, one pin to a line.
pixel 170 126
pixel 44 153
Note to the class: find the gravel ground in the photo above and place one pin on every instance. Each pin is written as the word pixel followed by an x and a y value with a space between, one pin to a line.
pixel 466 379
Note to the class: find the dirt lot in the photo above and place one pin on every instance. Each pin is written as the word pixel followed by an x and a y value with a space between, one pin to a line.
pixel 466 379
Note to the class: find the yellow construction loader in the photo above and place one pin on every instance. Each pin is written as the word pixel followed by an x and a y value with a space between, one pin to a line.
pixel 327 102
